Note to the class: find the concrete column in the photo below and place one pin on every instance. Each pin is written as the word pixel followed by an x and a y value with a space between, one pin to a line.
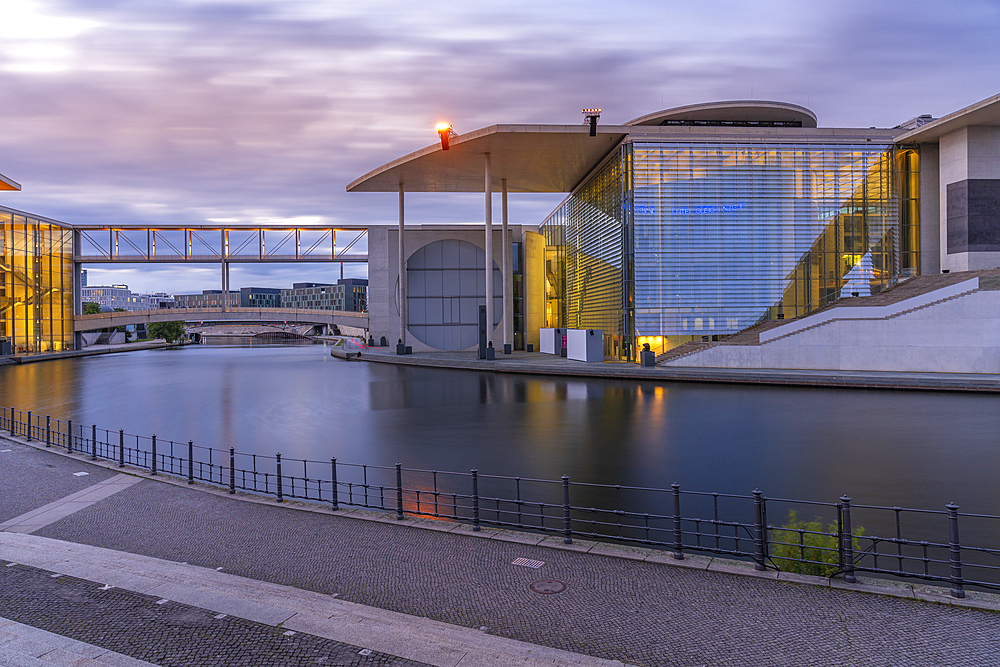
pixel 489 251
pixel 403 309
pixel 508 298
pixel 77 292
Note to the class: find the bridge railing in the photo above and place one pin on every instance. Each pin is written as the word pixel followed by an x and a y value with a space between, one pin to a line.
pixel 836 538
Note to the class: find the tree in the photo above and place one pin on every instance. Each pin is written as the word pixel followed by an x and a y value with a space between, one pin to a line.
pixel 91 308
pixel 168 331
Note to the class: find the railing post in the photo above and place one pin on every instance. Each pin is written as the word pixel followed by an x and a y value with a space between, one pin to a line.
pixel 69 441
pixel 955 549
pixel 333 474
pixel 121 448
pixel 12 422
pixel 678 537
pixel 847 540
pixel 93 442
pixel 399 492
pixel 190 461
pixel 154 456
pixel 277 458
pixel 475 500
pixel 48 430
pixel 232 470
pixel 29 425
pixel 567 521
pixel 758 535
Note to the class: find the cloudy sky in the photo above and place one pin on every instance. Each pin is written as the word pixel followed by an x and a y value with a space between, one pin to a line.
pixel 185 111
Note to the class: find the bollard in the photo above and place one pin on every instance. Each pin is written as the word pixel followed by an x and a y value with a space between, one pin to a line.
pixel 190 461
pixel 954 548
pixel 121 448
pixel 333 473
pixel 758 536
pixel 29 426
pixel 93 442
pixel 154 456
pixel 69 441
pixel 232 470
pixel 399 492
pixel 277 458
pixel 475 500
pixel 48 431
pixel 847 540
pixel 678 537
pixel 567 522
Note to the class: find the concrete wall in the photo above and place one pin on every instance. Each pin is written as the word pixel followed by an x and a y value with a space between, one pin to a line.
pixel 967 153
pixel 961 335
pixel 383 272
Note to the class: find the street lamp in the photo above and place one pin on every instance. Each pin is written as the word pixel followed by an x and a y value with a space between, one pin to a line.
pixel 446 132
pixel 591 116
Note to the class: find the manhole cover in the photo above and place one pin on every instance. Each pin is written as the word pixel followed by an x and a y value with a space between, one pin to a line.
pixel 547 586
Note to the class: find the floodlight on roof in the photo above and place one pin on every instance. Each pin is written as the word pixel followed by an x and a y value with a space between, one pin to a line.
pixel 591 116
pixel 446 132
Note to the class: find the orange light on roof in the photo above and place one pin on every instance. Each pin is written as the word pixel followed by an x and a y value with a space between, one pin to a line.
pixel 442 127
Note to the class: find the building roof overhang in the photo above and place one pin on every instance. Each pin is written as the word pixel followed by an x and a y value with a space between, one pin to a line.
pixel 532 158
pixel 986 112
pixel 7 184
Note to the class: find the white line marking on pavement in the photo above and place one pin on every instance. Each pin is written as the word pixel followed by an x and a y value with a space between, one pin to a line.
pixel 80 474
pixel 365 651
pixel 31 521
pixel 105 587
pixel 163 601
pixel 220 616
pixel 10 450
pixel 288 633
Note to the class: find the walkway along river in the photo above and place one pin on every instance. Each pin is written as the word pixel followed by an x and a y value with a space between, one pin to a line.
pixel 910 449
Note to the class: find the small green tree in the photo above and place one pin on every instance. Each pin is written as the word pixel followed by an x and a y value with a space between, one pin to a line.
pixel 91 308
pixel 808 541
pixel 168 331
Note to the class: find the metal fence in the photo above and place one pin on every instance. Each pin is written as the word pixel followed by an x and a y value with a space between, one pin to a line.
pixel 895 542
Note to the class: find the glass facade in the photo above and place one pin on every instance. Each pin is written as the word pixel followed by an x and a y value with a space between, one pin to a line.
pixel 673 242
pixel 36 284
pixel 588 256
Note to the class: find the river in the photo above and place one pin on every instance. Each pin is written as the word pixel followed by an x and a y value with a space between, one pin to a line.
pixel 914 449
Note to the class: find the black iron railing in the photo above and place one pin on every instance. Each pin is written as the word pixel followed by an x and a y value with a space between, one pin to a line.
pixel 903 542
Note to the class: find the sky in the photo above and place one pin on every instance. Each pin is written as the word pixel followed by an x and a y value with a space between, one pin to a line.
pixel 262 111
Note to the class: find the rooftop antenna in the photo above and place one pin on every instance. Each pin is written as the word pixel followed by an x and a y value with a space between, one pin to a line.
pixel 591 116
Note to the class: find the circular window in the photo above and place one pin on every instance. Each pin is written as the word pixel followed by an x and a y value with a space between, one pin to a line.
pixel 445 286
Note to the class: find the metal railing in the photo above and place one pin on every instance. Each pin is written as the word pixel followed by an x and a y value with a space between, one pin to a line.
pixel 909 543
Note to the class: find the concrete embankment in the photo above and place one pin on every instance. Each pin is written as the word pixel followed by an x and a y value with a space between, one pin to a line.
pixel 543 364
pixel 88 352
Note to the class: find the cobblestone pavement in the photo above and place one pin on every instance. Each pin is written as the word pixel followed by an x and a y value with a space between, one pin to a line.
pixel 641 613
pixel 39 478
pixel 167 633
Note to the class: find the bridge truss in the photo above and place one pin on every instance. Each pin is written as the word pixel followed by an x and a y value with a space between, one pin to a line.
pixel 217 244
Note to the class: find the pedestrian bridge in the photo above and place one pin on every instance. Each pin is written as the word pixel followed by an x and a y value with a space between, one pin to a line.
pixel 337 318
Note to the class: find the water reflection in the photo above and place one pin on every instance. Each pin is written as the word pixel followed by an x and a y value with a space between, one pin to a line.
pixel 885 448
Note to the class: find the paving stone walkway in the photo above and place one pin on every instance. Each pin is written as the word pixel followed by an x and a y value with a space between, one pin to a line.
pixel 162 632
pixel 612 608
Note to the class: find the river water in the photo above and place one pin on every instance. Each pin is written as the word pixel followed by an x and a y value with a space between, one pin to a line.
pixel 914 449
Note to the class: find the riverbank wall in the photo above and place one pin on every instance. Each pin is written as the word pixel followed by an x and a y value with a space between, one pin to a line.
pixel 88 352
pixel 545 364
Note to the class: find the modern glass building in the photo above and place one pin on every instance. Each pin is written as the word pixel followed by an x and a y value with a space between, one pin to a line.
pixel 36 283
pixel 703 227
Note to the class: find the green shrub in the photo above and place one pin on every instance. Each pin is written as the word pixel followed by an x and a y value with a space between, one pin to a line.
pixel 169 331
pixel 787 543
